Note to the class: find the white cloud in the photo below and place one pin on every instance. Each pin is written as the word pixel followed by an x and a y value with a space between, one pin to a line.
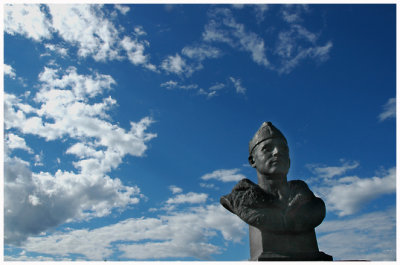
pixel 86 26
pixel 349 195
pixel 389 110
pixel 174 189
pixel 175 85
pixel 8 70
pixel 208 94
pixel 178 235
pixel 201 52
pixel 237 83
pixel 217 86
pixel 224 175
pixel 135 52
pixel 83 26
pixel 329 172
pixel 27 20
pixel 371 236
pixel 190 197
pixel 66 111
pixel 292 13
pixel 122 8
pixel 57 48
pixel 13 141
pixel 169 84
pixel 177 65
pixel 292 45
pixel 208 186
pixel 223 28
pixel 139 31
pixel 297 44
pixel 260 9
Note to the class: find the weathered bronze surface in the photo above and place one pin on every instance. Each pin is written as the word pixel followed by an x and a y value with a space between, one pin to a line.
pixel 282 214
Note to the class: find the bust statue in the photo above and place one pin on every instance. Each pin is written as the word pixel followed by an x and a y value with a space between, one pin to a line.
pixel 281 214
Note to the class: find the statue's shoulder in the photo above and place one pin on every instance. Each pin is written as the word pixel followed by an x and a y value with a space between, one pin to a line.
pixel 298 186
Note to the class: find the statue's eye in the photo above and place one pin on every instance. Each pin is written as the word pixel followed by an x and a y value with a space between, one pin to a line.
pixel 266 148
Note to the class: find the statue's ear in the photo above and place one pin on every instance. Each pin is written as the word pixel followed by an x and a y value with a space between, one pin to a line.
pixel 251 161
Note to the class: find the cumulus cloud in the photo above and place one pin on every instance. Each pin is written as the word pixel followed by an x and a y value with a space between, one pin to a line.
pixel 57 49
pixel 178 235
pixel 389 110
pixel 13 141
pixel 27 20
pixel 371 236
pixel 83 26
pixel 224 175
pixel 65 108
pixel 347 195
pixel 135 52
pixel 351 194
pixel 9 70
pixel 174 189
pixel 177 65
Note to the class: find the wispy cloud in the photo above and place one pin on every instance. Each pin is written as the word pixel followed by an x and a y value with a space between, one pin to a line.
pixel 190 197
pixel 297 44
pixel 223 27
pixel 175 85
pixel 370 236
pixel 224 175
pixel 389 110
pixel 237 83
pixel 293 13
pixel 331 171
pixel 122 8
pixel 201 52
pixel 260 10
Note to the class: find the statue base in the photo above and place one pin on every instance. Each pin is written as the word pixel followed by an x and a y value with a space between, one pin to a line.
pixel 315 256
pixel 269 246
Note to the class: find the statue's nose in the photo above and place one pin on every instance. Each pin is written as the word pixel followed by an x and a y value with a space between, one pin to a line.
pixel 275 151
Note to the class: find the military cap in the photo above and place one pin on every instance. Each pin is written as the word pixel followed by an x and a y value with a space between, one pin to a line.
pixel 266 131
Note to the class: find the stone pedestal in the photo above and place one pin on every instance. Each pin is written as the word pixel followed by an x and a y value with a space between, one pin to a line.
pixel 268 246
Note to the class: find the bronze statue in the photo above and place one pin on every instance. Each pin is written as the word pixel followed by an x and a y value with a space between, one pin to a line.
pixel 281 214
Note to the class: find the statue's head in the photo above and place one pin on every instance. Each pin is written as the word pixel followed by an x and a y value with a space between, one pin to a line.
pixel 269 151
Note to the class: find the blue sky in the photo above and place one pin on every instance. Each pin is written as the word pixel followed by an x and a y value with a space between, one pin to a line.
pixel 124 124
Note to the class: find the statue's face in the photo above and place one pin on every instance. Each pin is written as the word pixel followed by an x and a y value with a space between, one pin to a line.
pixel 271 157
